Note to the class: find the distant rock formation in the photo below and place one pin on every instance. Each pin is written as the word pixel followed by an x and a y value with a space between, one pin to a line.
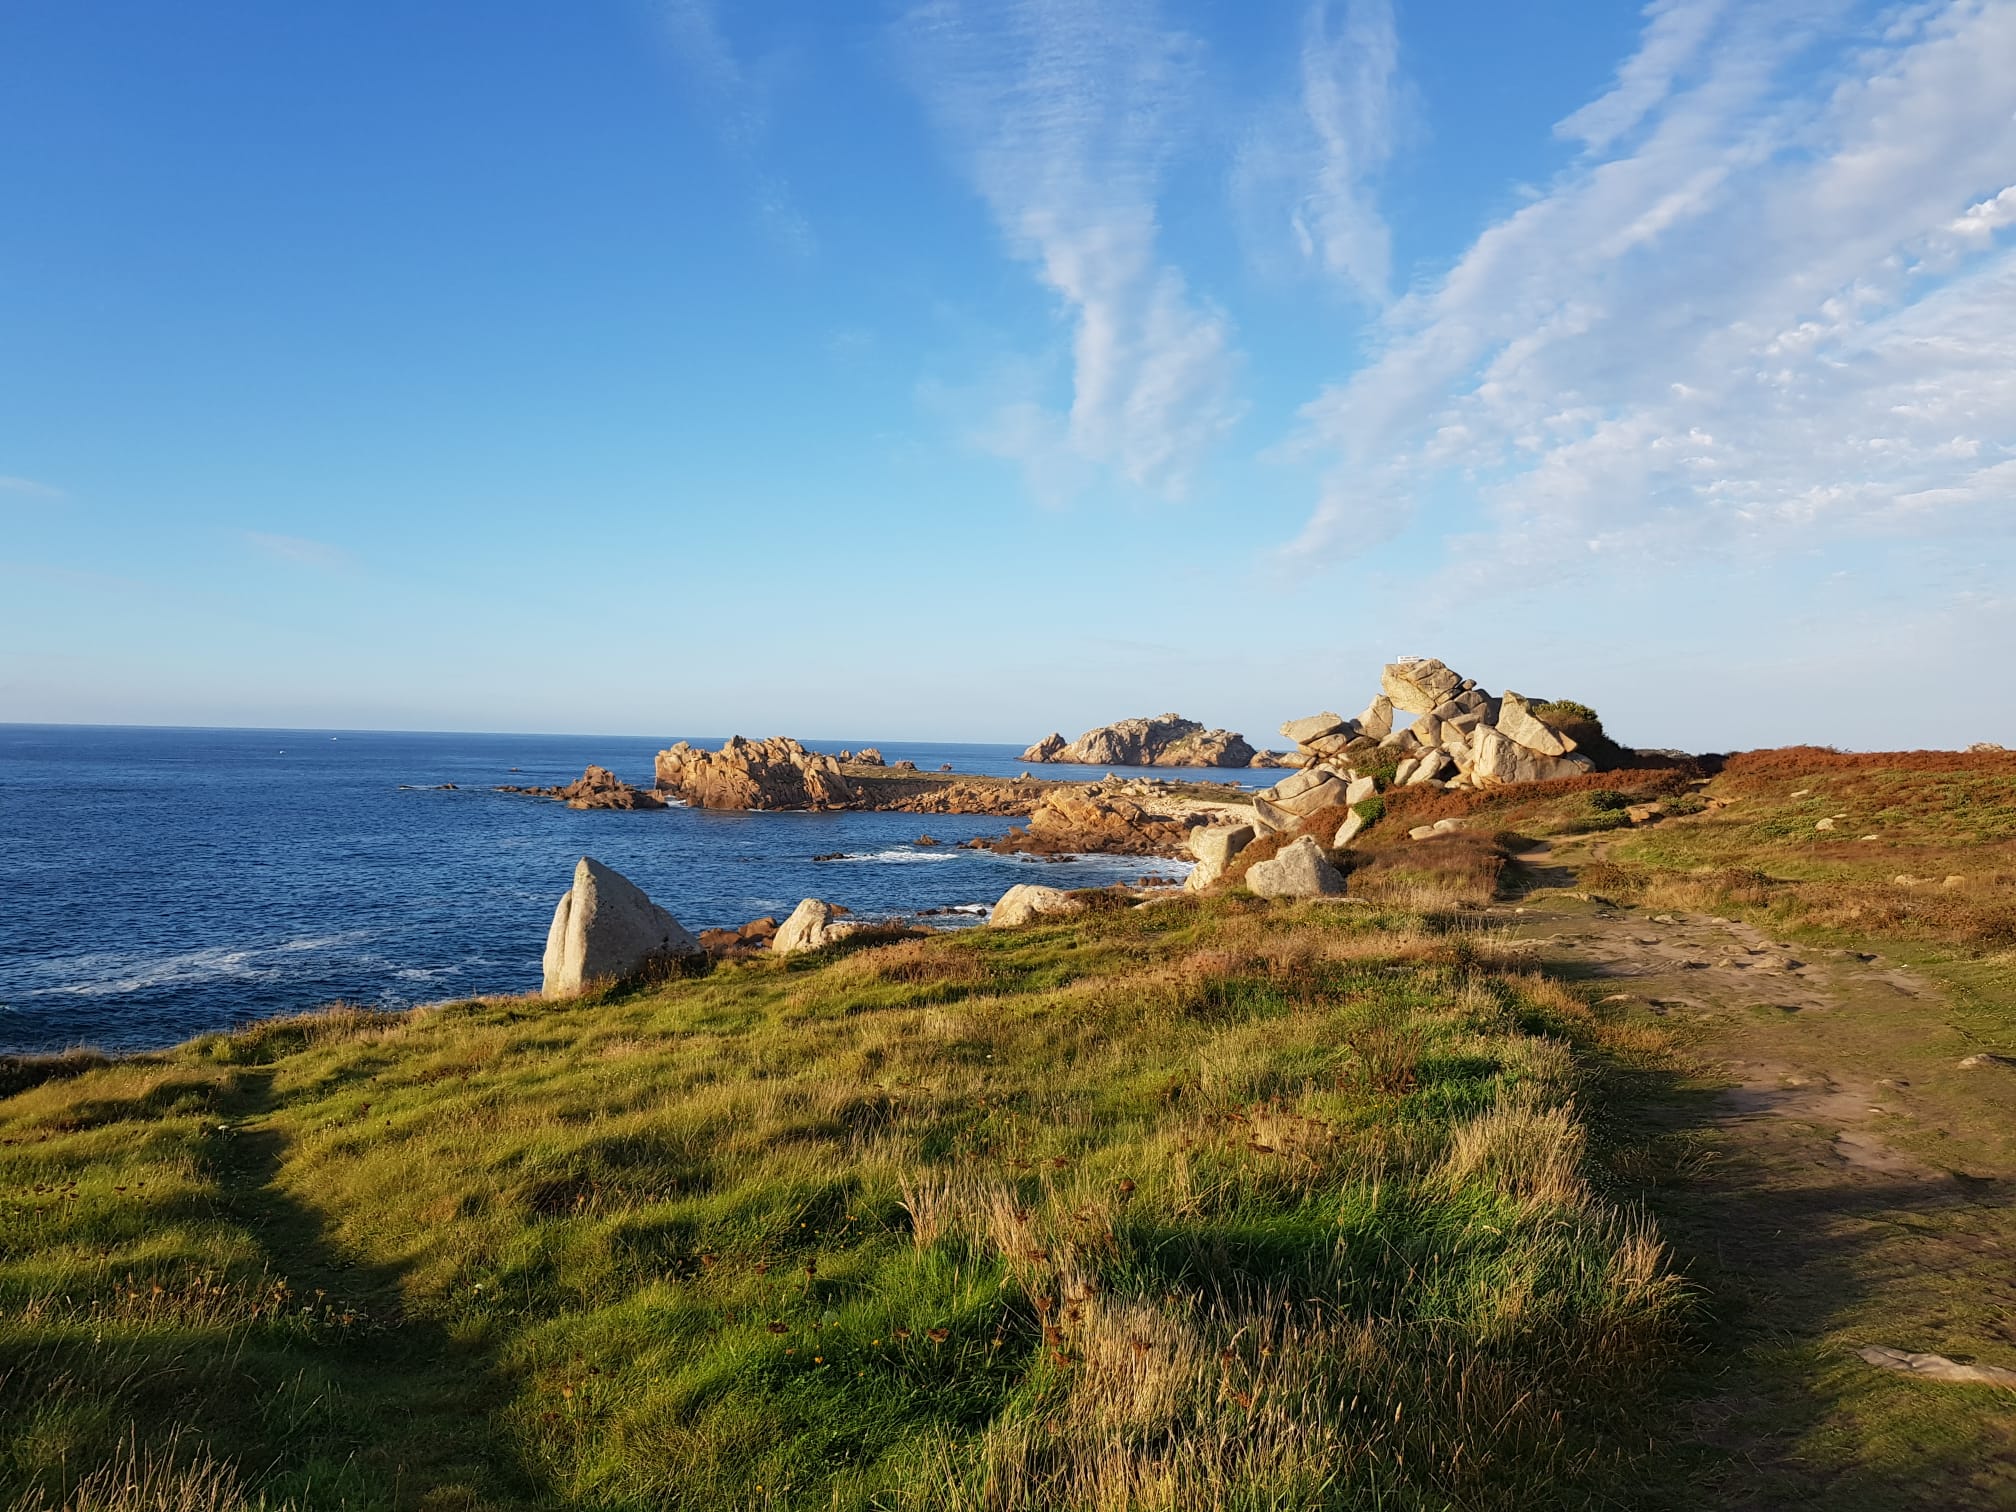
pixel 1169 740
pixel 597 788
pixel 1461 737
pixel 605 929
pixel 754 774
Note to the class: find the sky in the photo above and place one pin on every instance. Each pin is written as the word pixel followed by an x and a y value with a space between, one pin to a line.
pixel 969 369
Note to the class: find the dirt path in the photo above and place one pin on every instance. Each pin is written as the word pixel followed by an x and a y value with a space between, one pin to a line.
pixel 1834 1177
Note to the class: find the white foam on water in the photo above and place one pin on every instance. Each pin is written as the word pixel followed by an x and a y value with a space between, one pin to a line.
pixel 113 973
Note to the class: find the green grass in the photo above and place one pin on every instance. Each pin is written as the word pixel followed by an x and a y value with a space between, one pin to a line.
pixel 1202 1204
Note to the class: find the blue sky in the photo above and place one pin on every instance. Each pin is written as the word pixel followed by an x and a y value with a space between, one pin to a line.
pixel 973 368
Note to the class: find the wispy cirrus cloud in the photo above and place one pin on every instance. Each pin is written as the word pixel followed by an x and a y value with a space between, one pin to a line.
pixel 299 550
pixel 736 99
pixel 1781 312
pixel 1307 167
pixel 28 488
pixel 1065 115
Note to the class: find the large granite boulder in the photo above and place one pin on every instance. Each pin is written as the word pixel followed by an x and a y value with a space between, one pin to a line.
pixel 1303 731
pixel 1049 748
pixel 605 929
pixel 1377 720
pixel 1417 684
pixel 1327 792
pixel 1301 870
pixel 813 925
pixel 1214 848
pixel 1497 760
pixel 1028 901
pixel 1270 819
pixel 1517 720
pixel 1352 827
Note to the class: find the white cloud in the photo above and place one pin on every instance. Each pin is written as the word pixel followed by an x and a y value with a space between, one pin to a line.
pixel 1307 169
pixel 1064 113
pixel 29 488
pixel 1675 32
pixel 736 99
pixel 1780 314
pixel 299 550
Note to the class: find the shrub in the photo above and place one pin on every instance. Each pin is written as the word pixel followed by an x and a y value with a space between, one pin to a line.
pixel 1382 767
pixel 1560 711
pixel 1371 810
pixel 1608 800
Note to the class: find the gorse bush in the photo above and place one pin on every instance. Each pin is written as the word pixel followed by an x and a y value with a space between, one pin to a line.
pixel 1565 711
pixel 1607 800
pixel 1371 810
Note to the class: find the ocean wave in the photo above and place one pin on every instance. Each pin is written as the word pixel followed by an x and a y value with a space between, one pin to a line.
pixel 113 973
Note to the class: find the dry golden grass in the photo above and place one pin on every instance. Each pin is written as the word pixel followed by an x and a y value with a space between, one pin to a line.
pixel 1200 1203
pixel 154 1481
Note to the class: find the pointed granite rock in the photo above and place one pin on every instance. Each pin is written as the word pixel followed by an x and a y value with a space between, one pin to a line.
pixel 604 929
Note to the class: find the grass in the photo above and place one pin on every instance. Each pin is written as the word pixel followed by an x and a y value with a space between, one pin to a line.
pixel 1196 1205
pixel 1900 830
pixel 1804 1258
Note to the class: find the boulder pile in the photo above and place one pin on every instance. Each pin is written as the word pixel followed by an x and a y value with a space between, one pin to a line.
pixel 1169 740
pixel 1461 737
pixel 754 774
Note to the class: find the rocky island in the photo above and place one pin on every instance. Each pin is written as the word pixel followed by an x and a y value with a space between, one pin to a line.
pixel 1169 740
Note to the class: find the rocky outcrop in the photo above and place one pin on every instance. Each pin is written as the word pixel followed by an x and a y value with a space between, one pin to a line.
pixel 1170 741
pixel 1102 817
pixel 1214 847
pixel 1049 748
pixel 977 795
pixel 596 788
pixel 605 929
pixel 754 774
pixel 1460 737
pixel 1027 901
pixel 1299 870
pixel 813 925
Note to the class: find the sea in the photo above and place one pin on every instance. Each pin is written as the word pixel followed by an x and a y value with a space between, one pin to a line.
pixel 157 884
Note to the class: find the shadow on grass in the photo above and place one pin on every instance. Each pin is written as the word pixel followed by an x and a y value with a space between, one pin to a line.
pixel 403 1413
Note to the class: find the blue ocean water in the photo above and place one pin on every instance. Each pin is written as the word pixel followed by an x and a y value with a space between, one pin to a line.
pixel 160 883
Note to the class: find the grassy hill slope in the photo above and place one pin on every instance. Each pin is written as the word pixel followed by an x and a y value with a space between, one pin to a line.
pixel 1201 1204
